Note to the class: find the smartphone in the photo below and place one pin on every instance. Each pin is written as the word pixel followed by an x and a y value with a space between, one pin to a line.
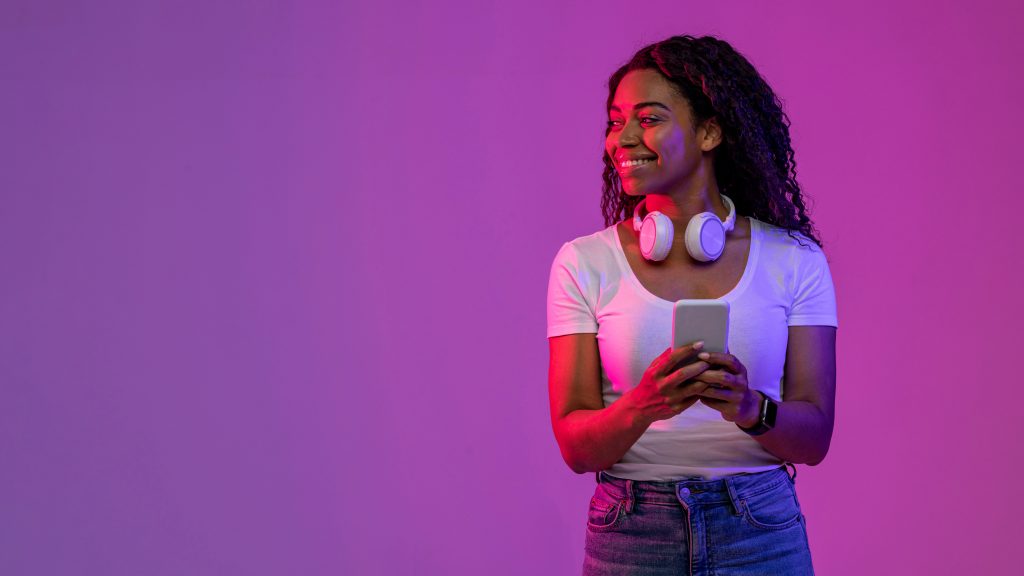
pixel 706 320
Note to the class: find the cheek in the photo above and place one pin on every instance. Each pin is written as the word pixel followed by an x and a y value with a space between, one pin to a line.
pixel 672 144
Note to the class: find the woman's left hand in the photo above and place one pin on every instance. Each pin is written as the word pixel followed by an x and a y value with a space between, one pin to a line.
pixel 727 389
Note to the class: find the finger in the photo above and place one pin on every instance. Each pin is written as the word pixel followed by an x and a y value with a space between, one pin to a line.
pixel 659 362
pixel 682 353
pixel 724 359
pixel 713 403
pixel 667 360
pixel 680 406
pixel 718 378
pixel 689 389
pixel 723 395
pixel 686 372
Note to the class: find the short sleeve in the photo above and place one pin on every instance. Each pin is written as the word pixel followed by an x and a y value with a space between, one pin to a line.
pixel 814 302
pixel 568 309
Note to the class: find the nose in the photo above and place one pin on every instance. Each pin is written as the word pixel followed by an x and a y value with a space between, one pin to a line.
pixel 630 134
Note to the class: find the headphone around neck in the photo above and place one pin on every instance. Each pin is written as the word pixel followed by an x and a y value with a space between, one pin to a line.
pixel 705 233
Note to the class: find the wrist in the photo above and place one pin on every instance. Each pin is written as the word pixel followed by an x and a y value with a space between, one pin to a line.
pixel 752 414
pixel 767 413
pixel 631 413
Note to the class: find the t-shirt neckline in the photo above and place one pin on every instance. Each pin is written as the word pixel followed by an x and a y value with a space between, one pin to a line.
pixel 730 296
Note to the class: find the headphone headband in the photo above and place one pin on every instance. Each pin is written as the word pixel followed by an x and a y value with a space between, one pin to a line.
pixel 728 224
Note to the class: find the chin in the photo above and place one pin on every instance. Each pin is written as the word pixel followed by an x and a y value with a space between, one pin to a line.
pixel 636 191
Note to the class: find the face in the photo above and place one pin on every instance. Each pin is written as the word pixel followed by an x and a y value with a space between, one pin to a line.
pixel 651 130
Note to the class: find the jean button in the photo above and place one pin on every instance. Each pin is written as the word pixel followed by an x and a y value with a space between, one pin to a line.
pixel 684 492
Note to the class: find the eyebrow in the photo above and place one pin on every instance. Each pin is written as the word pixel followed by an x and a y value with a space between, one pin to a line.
pixel 645 105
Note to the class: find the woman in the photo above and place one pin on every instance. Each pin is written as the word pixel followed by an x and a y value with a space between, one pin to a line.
pixel 691 448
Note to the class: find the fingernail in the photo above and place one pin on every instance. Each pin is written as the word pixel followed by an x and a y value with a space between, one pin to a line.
pixel 703 355
pixel 698 345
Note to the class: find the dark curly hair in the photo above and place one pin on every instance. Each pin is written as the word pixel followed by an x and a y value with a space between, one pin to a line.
pixel 754 163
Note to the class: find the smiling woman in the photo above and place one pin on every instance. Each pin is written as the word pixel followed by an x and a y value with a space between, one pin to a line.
pixel 651 134
pixel 690 448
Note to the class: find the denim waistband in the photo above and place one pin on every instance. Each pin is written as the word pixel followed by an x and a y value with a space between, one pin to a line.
pixel 728 488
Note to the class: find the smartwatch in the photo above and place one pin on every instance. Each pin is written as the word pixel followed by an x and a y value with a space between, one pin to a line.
pixel 766 416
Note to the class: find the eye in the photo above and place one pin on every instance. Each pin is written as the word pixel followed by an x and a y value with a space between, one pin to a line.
pixel 644 121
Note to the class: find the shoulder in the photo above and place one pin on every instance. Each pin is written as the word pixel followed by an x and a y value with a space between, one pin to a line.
pixel 584 265
pixel 590 250
pixel 785 244
pixel 784 237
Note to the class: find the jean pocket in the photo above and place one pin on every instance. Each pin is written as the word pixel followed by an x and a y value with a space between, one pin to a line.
pixel 773 509
pixel 604 510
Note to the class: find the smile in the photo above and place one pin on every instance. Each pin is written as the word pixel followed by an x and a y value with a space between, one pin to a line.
pixel 627 164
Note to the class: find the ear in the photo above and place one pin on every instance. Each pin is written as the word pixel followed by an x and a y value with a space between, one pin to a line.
pixel 709 134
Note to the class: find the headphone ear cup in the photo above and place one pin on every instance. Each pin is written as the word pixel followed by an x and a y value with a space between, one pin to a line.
pixel 705 237
pixel 656 236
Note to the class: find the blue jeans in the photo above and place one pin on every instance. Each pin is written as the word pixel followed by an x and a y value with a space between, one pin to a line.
pixel 744 524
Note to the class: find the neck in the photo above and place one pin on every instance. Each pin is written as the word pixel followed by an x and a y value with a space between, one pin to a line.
pixel 681 208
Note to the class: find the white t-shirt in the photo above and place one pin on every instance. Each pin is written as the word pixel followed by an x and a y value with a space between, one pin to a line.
pixel 592 289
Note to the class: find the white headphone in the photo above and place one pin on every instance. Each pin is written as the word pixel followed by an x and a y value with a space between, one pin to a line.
pixel 705 233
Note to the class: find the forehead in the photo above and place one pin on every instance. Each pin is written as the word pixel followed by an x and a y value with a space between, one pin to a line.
pixel 646 86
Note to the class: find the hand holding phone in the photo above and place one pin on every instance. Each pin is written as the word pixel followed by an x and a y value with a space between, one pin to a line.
pixel 668 386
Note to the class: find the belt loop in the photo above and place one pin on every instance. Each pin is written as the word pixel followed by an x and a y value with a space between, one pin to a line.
pixel 792 476
pixel 597 476
pixel 737 506
pixel 629 496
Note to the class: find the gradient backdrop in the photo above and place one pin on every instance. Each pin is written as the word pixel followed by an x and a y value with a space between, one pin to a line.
pixel 274 275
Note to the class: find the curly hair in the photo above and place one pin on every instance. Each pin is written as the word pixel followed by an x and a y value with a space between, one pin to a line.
pixel 754 163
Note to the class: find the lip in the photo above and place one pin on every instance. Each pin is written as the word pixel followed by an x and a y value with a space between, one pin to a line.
pixel 624 156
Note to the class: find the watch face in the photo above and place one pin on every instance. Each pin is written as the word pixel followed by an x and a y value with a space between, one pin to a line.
pixel 771 411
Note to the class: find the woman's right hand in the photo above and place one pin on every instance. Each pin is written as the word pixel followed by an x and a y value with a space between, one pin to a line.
pixel 665 389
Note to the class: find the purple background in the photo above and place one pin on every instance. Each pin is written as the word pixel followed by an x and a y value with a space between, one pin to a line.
pixel 274 277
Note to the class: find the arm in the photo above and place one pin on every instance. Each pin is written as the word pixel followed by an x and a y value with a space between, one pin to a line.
pixel 803 427
pixel 590 436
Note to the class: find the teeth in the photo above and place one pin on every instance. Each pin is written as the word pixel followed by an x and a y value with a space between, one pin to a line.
pixel 632 163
